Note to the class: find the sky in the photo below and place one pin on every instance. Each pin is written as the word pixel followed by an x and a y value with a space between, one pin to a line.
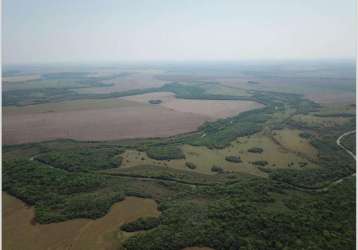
pixel 43 31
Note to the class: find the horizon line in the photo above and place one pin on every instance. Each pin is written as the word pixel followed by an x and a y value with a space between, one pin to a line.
pixel 153 61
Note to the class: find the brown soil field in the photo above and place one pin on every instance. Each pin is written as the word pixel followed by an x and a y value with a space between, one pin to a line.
pixel 333 97
pixel 112 119
pixel 117 120
pixel 135 80
pixel 214 109
pixel 78 105
pixel 145 98
pixel 19 233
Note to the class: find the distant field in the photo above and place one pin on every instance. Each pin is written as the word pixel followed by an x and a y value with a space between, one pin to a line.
pixel 71 106
pixel 319 90
pixel 329 116
pixel 88 234
pixel 332 97
pixel 211 108
pixel 135 80
pixel 36 84
pixel 110 119
pixel 329 109
pixel 114 122
pixel 21 78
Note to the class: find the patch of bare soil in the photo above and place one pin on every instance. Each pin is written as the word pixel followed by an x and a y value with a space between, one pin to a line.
pixel 112 119
pixel 19 233
pixel 23 124
pixel 214 109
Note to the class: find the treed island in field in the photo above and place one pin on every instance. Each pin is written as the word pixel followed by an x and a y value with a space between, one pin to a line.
pixel 179 158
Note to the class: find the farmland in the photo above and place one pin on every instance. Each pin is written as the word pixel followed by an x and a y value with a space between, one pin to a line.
pixel 210 108
pixel 225 160
pixel 114 118
pixel 111 119
pixel 79 233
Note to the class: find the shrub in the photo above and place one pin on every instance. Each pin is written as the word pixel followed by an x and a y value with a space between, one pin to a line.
pixel 255 150
pixel 155 101
pixel 190 165
pixel 260 163
pixel 302 164
pixel 141 224
pixel 165 152
pixel 305 135
pixel 233 158
pixel 217 169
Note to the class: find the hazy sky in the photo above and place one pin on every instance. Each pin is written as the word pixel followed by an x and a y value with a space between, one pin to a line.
pixel 136 30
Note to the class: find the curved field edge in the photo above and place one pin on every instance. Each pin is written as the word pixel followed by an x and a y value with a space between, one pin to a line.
pixel 23 233
pixel 54 119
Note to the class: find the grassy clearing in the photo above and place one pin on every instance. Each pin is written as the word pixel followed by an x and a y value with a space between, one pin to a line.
pixel 275 155
pixel 204 158
pixel 132 158
pixel 291 140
